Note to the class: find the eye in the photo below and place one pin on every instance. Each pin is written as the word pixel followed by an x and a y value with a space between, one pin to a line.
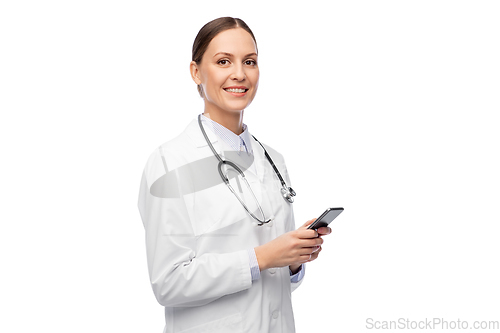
pixel 250 62
pixel 223 62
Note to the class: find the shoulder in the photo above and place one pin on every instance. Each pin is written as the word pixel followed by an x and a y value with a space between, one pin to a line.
pixel 170 154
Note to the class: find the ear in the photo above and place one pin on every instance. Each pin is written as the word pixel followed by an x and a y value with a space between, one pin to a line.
pixel 195 73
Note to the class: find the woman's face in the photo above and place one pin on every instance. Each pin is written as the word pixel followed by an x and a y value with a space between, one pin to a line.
pixel 228 71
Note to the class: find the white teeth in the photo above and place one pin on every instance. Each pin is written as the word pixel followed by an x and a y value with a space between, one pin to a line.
pixel 236 90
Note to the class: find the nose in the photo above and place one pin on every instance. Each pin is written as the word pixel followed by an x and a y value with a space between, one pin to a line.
pixel 238 73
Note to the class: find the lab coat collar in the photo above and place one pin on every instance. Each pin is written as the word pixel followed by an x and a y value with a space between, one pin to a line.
pixel 195 134
pixel 228 136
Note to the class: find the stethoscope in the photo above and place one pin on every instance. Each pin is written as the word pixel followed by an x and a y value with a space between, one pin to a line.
pixel 287 192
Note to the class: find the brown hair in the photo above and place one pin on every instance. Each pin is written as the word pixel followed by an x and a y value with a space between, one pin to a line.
pixel 209 31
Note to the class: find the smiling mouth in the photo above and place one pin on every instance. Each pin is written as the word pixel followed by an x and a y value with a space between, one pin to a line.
pixel 236 90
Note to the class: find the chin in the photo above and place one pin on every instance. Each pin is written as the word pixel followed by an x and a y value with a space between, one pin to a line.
pixel 236 106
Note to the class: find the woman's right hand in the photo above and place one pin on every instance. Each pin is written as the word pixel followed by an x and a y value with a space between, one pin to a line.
pixel 292 248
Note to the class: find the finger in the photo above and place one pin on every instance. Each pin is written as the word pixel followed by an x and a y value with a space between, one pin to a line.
pixel 308 233
pixel 310 242
pixel 309 250
pixel 308 223
pixel 305 257
pixel 324 230
pixel 311 258
pixel 306 251
pixel 315 255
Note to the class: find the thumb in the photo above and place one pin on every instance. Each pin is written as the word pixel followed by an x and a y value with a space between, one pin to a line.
pixel 305 225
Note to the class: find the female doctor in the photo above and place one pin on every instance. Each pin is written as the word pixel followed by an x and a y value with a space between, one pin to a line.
pixel 222 250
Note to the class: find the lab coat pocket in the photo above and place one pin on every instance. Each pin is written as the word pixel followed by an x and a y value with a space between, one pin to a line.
pixel 229 324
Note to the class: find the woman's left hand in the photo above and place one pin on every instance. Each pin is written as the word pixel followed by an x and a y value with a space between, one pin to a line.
pixel 321 232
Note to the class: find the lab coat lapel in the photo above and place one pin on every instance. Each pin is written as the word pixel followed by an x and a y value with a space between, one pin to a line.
pixel 259 159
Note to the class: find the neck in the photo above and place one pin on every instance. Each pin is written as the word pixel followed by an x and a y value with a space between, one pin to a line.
pixel 232 120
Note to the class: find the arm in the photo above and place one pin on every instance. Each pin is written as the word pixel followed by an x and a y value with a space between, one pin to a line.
pixel 179 276
pixel 294 269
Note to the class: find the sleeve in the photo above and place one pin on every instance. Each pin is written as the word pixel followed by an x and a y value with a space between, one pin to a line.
pixel 299 275
pixel 254 264
pixel 179 276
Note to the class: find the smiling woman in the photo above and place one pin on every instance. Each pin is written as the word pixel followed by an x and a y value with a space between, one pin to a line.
pixel 212 29
pixel 223 251
pixel 226 70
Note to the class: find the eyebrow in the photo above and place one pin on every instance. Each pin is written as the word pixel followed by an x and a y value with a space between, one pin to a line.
pixel 232 55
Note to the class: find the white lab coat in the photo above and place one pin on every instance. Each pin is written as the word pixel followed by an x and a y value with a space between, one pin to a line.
pixel 197 241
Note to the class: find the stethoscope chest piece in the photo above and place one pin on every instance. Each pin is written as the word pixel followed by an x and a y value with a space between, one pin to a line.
pixel 288 194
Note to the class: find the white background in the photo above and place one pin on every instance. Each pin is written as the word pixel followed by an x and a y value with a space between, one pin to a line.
pixel 387 108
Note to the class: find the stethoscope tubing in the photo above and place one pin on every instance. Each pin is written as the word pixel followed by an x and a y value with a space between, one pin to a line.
pixel 287 192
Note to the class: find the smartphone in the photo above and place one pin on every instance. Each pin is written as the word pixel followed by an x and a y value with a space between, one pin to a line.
pixel 324 220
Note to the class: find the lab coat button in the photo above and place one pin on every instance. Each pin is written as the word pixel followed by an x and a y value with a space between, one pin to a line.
pixel 272 270
pixel 275 314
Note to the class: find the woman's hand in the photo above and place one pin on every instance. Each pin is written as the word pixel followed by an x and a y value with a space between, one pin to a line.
pixel 292 248
pixel 322 232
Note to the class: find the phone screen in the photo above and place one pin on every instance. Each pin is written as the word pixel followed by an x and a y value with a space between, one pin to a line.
pixel 326 218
